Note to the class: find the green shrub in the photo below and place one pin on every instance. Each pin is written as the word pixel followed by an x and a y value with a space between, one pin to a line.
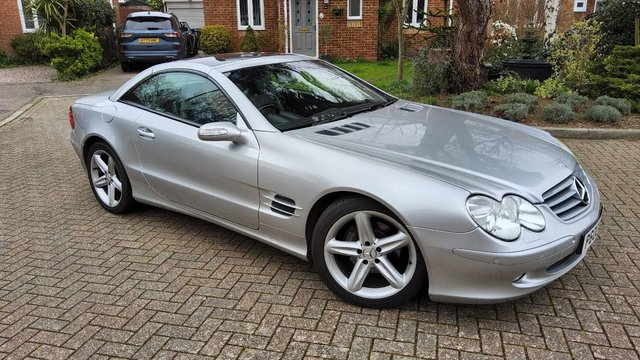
pixel 572 52
pixel 74 55
pixel 574 100
pixel 509 84
pixel 618 75
pixel 430 68
pixel 249 42
pixel 472 100
pixel 522 98
pixel 514 112
pixel 623 105
pixel 604 114
pixel 215 39
pixel 388 50
pixel 93 15
pixel 27 49
pixel 558 113
pixel 551 88
pixel 617 21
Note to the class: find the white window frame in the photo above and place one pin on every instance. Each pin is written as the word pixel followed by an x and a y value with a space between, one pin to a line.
pixel 414 13
pixel 577 8
pixel 250 15
pixel 23 21
pixel 595 4
pixel 355 17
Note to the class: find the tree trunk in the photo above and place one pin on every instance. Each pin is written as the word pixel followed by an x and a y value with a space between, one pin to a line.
pixel 550 18
pixel 63 24
pixel 401 14
pixel 468 48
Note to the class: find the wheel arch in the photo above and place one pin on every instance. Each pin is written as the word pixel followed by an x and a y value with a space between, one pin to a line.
pixel 327 199
pixel 88 142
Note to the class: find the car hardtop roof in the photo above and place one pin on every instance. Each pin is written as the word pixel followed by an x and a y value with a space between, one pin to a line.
pixel 149 14
pixel 240 60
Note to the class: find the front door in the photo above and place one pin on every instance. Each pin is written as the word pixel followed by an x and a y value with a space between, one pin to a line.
pixel 216 177
pixel 303 27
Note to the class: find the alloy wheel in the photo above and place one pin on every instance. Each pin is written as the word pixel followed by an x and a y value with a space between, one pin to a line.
pixel 370 255
pixel 105 178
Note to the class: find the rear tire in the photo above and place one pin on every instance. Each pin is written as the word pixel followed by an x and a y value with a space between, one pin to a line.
pixel 108 179
pixel 365 255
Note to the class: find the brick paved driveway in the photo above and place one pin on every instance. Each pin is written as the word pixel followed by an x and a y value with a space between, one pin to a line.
pixel 78 281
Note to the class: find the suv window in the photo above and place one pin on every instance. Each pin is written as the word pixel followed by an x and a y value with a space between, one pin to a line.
pixel 148 23
pixel 188 96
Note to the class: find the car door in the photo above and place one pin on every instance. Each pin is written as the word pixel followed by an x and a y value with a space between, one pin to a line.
pixel 217 177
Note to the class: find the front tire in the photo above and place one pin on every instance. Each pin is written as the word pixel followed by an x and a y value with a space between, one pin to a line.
pixel 108 179
pixel 365 255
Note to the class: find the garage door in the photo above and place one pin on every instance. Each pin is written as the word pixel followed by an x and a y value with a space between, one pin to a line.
pixel 191 12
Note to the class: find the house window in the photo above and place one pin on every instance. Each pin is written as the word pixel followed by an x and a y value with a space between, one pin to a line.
pixel 354 9
pixel 418 12
pixel 580 6
pixel 598 5
pixel 250 13
pixel 28 19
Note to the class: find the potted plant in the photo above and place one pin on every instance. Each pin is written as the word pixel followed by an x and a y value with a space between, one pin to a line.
pixel 532 64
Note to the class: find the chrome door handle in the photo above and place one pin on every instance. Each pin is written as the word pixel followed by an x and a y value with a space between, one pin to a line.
pixel 146 133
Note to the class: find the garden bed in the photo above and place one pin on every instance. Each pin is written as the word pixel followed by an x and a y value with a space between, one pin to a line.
pixel 535 118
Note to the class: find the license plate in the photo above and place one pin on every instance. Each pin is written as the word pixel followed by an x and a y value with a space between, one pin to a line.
pixel 149 40
pixel 590 237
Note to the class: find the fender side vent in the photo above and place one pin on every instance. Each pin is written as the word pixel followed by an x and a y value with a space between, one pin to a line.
pixel 282 205
pixel 411 107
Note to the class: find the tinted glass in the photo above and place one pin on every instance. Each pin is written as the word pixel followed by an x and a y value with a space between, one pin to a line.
pixel 148 23
pixel 257 19
pixel 29 22
pixel 303 93
pixel 188 96
pixel 354 8
pixel 244 13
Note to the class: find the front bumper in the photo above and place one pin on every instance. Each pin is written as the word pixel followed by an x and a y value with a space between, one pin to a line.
pixel 475 267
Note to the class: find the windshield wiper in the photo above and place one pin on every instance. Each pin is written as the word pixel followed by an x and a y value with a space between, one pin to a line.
pixel 348 112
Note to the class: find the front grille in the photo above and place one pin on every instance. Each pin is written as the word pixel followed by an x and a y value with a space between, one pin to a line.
pixel 568 199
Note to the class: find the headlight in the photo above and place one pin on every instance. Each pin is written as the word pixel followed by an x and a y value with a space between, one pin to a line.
pixel 494 217
pixel 528 215
pixel 505 219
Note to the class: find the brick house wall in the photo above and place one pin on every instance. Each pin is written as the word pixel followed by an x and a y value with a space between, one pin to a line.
pixel 11 24
pixel 566 15
pixel 358 39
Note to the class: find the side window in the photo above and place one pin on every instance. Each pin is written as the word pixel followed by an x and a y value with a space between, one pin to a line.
pixel 185 95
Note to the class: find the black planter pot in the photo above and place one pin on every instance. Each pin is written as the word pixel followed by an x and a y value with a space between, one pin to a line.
pixel 529 69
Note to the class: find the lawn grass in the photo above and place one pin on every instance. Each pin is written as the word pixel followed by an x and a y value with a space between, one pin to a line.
pixel 383 74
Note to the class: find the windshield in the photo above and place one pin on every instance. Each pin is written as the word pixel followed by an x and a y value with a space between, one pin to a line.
pixel 304 93
pixel 148 23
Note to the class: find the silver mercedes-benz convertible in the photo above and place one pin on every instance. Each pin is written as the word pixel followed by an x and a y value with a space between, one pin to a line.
pixel 384 196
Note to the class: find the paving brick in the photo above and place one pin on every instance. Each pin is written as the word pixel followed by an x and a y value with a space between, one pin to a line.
pixel 78 282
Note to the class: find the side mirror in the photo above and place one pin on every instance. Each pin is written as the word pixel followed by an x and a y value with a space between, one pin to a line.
pixel 219 131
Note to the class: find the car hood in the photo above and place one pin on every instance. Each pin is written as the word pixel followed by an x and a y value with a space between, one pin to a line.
pixel 476 152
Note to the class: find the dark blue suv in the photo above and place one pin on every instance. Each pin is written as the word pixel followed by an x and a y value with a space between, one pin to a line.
pixel 152 37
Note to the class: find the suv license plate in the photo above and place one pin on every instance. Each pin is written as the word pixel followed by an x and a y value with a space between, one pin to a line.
pixel 149 40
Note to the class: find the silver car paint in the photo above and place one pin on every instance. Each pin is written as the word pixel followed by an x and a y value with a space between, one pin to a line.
pixel 394 161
